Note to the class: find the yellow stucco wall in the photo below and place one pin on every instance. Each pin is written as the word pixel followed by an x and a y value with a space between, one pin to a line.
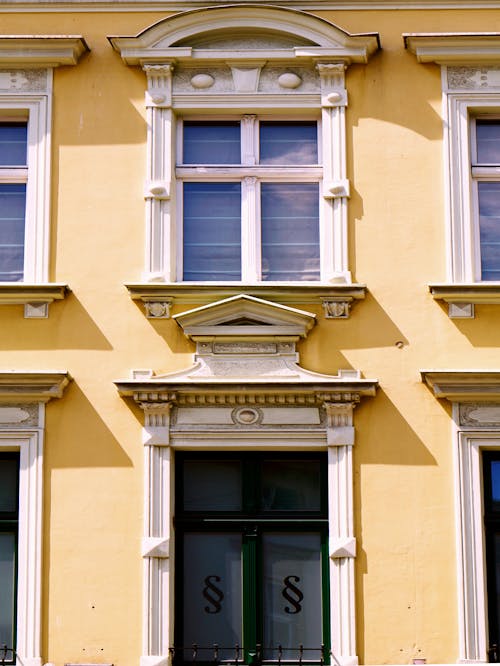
pixel 93 496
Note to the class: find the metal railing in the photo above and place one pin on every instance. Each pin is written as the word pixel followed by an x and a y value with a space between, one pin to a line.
pixel 4 655
pixel 234 654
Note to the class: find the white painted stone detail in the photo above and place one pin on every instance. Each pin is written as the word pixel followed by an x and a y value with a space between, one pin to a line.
pixel 36 310
pixel 155 547
pixel 15 415
pixel 473 78
pixel 202 81
pixel 342 547
pixel 479 415
pixel 246 79
pixel 23 80
pixel 461 310
pixel 289 80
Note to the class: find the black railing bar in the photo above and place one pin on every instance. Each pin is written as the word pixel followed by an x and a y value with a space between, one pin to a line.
pixel 237 521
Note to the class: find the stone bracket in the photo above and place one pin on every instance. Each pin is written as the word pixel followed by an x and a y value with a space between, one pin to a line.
pixel 158 190
pixel 158 309
pixel 155 547
pixel 342 547
pixel 336 308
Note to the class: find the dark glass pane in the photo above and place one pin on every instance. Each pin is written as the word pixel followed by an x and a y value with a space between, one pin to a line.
pixel 488 141
pixel 212 585
pixel 12 216
pixel 212 231
pixel 8 485
pixel 7 588
pixel 290 231
pixel 13 142
pixel 212 485
pixel 291 485
pixel 211 143
pixel 288 143
pixel 292 594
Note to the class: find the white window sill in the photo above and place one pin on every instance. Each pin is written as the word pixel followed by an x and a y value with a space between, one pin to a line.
pixel 158 297
pixel 35 297
pixel 461 297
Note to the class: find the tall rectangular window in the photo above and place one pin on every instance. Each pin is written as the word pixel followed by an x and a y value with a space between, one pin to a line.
pixel 251 561
pixel 13 180
pixel 485 169
pixel 250 200
pixel 9 518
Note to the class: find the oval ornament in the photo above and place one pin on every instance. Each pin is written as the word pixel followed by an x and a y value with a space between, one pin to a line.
pixel 289 80
pixel 202 81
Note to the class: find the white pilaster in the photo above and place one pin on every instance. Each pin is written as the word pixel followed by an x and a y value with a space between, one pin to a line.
pixel 342 544
pixel 156 542
pixel 335 184
pixel 159 192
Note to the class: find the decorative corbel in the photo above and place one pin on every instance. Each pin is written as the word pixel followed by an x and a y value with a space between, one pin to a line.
pixel 159 90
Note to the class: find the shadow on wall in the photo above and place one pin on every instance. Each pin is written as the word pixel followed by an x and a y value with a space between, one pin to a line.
pixel 69 326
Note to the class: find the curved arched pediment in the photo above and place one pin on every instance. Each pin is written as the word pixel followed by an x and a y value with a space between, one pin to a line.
pixel 274 31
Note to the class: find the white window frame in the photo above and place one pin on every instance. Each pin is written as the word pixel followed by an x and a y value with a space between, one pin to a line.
pixel 250 174
pixel 37 110
pixel 29 444
pixel 464 254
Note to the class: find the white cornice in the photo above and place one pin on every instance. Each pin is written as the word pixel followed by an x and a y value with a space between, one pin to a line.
pixel 464 385
pixel 41 50
pixel 471 48
pixel 170 40
pixel 37 6
pixel 22 386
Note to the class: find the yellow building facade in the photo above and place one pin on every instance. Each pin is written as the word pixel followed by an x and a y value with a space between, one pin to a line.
pixel 249 356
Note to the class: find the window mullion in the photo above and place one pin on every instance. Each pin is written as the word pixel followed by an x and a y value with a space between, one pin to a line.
pixel 250 595
pixel 250 229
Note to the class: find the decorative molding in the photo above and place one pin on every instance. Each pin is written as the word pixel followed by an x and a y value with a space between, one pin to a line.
pixel 313 37
pixel 21 386
pixel 35 297
pixel 158 309
pixel 335 308
pixel 471 49
pixel 155 547
pixel 473 78
pixel 64 6
pixel 479 415
pixel 41 50
pixel 345 547
pixel 21 81
pixel 462 297
pixel 188 293
pixel 19 415
pixel 463 385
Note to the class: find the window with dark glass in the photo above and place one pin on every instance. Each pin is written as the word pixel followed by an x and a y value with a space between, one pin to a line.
pixel 251 558
pixel 250 200
pixel 9 517
pixel 13 181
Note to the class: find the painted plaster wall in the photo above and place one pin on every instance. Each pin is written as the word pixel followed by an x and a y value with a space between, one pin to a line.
pixel 404 497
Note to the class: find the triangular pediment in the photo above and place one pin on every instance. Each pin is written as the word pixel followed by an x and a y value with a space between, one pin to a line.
pixel 244 316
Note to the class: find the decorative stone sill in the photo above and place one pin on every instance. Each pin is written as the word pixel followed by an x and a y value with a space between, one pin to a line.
pixel 463 385
pixel 20 386
pixel 41 50
pixel 462 297
pixel 36 298
pixel 472 49
pixel 158 297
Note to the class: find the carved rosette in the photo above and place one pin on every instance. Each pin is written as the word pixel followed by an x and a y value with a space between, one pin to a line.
pixel 335 309
pixel 473 78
